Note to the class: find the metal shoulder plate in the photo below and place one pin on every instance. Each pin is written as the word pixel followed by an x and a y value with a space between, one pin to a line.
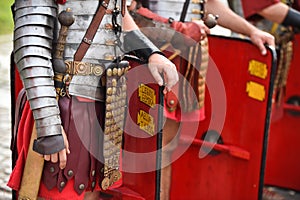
pixel 34 3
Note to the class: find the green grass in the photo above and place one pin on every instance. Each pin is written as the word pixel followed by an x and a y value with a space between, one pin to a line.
pixel 6 20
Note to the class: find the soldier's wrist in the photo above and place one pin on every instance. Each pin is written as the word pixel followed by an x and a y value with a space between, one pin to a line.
pixel 137 43
pixel 292 18
pixel 49 145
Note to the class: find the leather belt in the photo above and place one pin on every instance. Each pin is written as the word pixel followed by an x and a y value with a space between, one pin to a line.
pixel 84 68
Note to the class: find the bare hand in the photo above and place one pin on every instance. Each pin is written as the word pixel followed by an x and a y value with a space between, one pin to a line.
pixel 260 38
pixel 60 156
pixel 158 64
pixel 204 30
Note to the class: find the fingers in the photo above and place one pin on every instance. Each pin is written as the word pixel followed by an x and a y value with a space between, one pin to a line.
pixel 60 156
pixel 262 49
pixel 156 75
pixel 171 77
pixel 53 157
pixel 65 141
pixel 271 41
pixel 63 153
pixel 62 159
pixel 260 38
pixel 158 65
pixel 203 34
pixel 47 157
pixel 204 30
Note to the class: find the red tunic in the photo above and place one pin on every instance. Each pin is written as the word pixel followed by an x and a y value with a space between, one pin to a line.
pixel 82 160
pixel 251 7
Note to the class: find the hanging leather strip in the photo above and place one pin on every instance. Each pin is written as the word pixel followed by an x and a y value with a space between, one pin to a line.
pixel 123 5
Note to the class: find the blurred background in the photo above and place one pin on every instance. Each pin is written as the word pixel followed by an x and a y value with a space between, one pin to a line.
pixel 6 28
pixel 6 23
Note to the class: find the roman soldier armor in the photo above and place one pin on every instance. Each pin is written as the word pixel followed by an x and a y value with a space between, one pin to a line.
pixel 176 33
pixel 173 9
pixel 71 64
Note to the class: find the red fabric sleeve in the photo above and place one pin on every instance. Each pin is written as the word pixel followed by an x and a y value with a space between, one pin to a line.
pixel 190 29
pixel 251 7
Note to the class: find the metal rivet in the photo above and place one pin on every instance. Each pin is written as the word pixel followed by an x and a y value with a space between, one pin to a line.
pixel 62 184
pixel 114 82
pixel 93 172
pixel 109 72
pixel 172 102
pixel 120 72
pixel 81 186
pixel 93 184
pixel 115 71
pixel 70 173
pixel 52 169
pixel 109 91
pixel 108 26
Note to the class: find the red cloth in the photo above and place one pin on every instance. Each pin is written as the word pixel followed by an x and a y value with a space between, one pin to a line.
pixel 251 7
pixel 23 140
pixel 178 116
pixel 61 1
pixel 191 33
pixel 82 166
pixel 190 30
pixel 296 5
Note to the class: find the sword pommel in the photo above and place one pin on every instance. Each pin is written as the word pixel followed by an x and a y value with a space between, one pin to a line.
pixel 66 19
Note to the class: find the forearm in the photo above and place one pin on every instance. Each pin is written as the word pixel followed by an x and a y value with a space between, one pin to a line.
pixel 275 13
pixel 32 53
pixel 229 19
pixel 135 41
pixel 128 22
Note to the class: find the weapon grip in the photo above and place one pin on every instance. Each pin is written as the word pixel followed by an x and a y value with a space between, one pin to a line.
pixel 66 19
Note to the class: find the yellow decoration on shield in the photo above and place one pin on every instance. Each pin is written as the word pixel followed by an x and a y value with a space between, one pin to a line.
pixel 146 122
pixel 256 90
pixel 147 95
pixel 258 69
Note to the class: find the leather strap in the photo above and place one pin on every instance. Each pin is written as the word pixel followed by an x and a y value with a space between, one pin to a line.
pixel 91 31
pixel 32 174
pixel 123 5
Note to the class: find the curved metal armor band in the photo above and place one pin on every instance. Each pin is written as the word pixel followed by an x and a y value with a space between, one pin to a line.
pixel 33 35
pixel 173 8
pixel 105 47
pixel 196 55
pixel 86 80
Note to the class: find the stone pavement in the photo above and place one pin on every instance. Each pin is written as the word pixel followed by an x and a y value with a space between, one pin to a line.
pixel 5 120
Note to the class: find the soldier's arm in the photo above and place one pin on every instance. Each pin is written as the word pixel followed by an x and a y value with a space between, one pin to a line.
pixel 137 42
pixel 33 36
pixel 228 19
pixel 282 14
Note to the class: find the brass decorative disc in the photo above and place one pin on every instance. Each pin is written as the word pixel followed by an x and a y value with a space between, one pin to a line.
pixel 105 183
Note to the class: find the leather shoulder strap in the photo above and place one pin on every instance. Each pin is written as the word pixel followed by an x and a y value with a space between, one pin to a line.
pixel 91 31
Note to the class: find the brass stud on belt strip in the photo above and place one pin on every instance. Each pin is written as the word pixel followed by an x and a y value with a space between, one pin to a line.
pixel 105 183
pixel 114 122
pixel 197 11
